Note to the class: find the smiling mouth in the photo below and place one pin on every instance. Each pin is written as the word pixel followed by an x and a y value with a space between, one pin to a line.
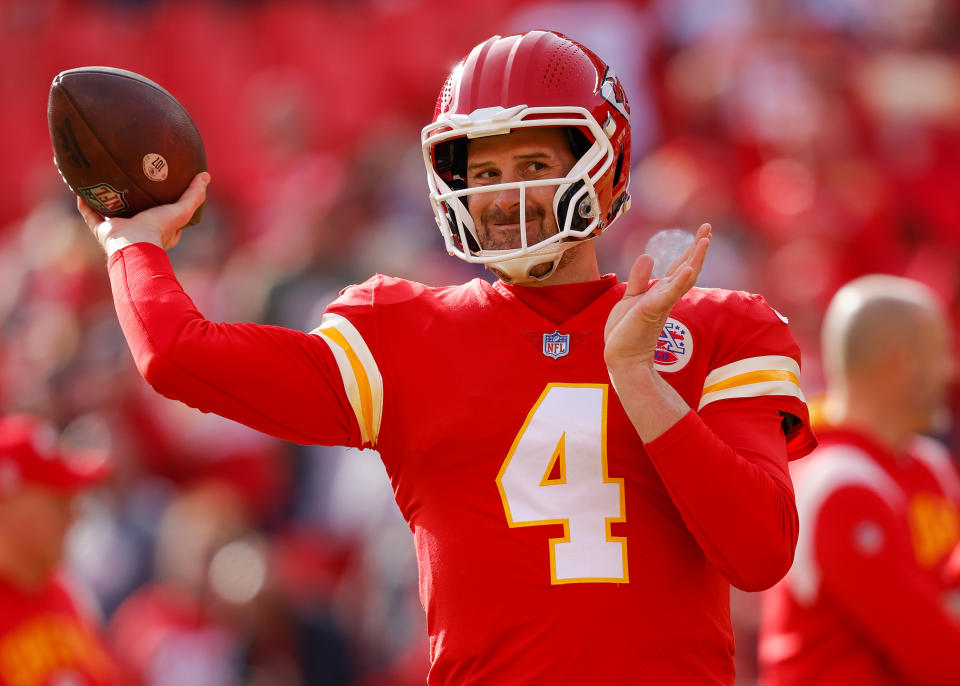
pixel 532 220
pixel 507 236
pixel 512 227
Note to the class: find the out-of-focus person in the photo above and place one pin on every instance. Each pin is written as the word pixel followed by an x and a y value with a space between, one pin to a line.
pixel 220 609
pixel 49 634
pixel 867 600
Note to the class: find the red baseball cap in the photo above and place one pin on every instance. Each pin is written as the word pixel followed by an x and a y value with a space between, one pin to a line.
pixel 30 453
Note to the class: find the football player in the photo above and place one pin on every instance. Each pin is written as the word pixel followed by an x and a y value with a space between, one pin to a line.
pixel 49 631
pixel 868 600
pixel 586 465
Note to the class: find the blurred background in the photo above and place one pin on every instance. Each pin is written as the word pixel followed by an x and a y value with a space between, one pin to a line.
pixel 820 137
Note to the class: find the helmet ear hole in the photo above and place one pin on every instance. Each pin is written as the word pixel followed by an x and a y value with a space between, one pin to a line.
pixel 616 172
pixel 579 221
pixel 450 159
pixel 620 204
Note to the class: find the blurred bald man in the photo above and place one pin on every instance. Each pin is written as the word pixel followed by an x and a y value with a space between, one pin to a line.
pixel 867 601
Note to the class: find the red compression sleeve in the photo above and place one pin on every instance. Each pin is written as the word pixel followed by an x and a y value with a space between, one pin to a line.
pixel 727 475
pixel 283 382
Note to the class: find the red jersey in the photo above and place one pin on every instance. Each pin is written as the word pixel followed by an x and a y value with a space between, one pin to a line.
pixel 553 546
pixel 865 602
pixel 46 639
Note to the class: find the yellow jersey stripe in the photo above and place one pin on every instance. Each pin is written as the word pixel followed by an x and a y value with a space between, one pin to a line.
pixel 760 363
pixel 363 383
pixel 358 369
pixel 753 390
pixel 753 377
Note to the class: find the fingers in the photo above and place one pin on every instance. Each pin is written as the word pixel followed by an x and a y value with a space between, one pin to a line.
pixel 160 225
pixel 676 285
pixel 202 179
pixel 98 224
pixel 685 271
pixel 184 207
pixel 700 246
pixel 704 232
pixel 680 260
pixel 639 275
pixel 193 197
pixel 91 217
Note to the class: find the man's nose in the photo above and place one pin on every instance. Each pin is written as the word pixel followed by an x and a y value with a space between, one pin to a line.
pixel 507 199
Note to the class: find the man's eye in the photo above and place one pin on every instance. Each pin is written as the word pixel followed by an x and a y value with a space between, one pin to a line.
pixel 486 175
pixel 536 167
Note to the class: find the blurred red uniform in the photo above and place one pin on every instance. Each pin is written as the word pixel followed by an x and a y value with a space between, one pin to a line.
pixel 866 600
pixel 48 634
pixel 553 546
pixel 48 638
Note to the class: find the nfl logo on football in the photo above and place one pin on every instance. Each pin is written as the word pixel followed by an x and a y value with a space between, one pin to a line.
pixel 556 344
pixel 104 198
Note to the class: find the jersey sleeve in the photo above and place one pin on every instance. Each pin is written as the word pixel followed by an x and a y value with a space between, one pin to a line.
pixel 727 475
pixel 866 565
pixel 350 332
pixel 289 384
pixel 725 465
pixel 755 357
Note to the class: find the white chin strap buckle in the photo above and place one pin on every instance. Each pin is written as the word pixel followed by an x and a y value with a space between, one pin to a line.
pixel 516 270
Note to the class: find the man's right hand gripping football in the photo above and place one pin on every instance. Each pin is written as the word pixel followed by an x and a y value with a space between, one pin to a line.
pixel 160 225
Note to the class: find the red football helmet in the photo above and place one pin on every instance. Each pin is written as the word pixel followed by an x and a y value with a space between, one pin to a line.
pixel 539 78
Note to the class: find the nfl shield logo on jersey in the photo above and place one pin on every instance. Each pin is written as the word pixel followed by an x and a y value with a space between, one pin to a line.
pixel 556 344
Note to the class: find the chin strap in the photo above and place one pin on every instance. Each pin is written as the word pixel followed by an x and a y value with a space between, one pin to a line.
pixel 524 278
pixel 516 270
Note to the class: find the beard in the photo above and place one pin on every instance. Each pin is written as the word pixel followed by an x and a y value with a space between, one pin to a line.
pixel 499 230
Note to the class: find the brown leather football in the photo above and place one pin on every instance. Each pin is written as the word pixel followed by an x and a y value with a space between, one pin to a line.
pixel 120 141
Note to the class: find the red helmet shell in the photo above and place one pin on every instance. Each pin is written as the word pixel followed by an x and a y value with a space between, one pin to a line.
pixel 539 78
pixel 545 69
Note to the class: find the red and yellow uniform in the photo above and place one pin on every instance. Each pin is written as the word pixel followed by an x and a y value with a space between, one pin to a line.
pixel 46 639
pixel 553 546
pixel 866 600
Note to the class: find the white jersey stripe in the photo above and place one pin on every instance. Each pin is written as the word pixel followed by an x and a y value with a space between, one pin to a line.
pixel 752 364
pixel 361 376
pixel 751 378
pixel 753 390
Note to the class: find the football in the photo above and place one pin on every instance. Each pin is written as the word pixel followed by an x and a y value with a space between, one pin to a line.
pixel 120 141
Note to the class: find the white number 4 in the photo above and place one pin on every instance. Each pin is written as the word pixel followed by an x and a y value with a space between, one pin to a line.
pixel 556 473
